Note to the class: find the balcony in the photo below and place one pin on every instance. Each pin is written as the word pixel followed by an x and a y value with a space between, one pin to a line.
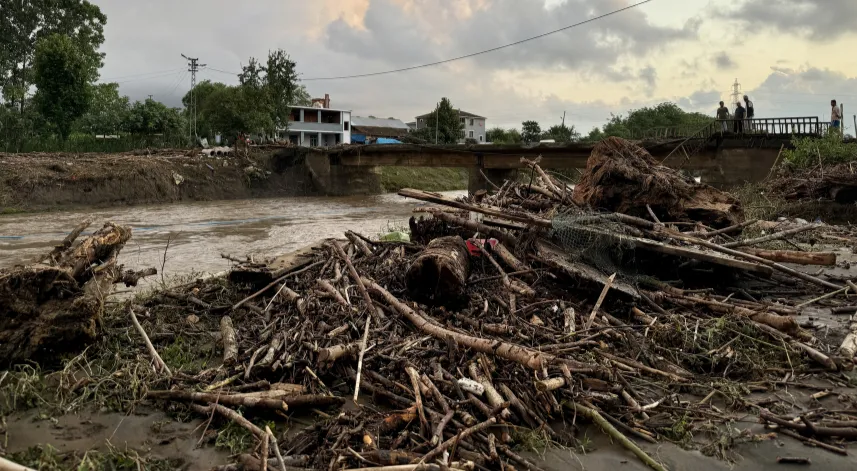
pixel 314 127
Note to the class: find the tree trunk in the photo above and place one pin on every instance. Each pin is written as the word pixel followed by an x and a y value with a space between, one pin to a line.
pixel 440 272
pixel 791 256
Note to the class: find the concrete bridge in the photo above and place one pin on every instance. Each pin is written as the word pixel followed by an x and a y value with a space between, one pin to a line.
pixel 722 154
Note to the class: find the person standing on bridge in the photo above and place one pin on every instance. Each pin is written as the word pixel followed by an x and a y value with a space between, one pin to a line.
pixel 835 116
pixel 722 116
pixel 740 116
pixel 751 112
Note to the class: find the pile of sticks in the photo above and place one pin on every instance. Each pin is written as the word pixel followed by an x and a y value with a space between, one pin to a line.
pixel 528 335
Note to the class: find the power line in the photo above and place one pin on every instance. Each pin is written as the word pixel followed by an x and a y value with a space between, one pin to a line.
pixel 142 74
pixel 221 71
pixel 193 66
pixel 446 61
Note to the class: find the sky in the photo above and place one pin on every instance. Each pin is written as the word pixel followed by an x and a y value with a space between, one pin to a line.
pixel 790 56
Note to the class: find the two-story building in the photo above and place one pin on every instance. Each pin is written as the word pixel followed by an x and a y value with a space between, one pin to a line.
pixel 318 125
pixel 474 125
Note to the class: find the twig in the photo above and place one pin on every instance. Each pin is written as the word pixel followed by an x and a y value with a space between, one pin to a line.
pixel 775 236
pixel 418 400
pixel 158 361
pixel 263 453
pixel 653 215
pixel 229 414
pixel 609 429
pixel 352 272
pixel 274 283
pixel 360 357
pixel 597 306
pixel 460 436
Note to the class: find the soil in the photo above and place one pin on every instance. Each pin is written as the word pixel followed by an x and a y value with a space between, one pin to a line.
pixel 153 435
pixel 44 182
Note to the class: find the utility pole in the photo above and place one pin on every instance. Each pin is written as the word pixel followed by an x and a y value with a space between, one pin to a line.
pixel 150 97
pixel 736 93
pixel 563 119
pixel 436 122
pixel 193 66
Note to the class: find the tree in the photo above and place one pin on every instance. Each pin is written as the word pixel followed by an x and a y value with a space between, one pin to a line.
pixel 530 131
pixel 108 111
pixel 561 133
pixel 442 125
pixel 153 117
pixel 302 97
pixel 63 75
pixel 205 111
pixel 595 135
pixel 281 84
pixel 233 110
pixel 24 23
pixel 503 136
pixel 645 119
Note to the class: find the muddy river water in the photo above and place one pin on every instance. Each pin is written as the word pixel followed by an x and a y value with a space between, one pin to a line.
pixel 198 232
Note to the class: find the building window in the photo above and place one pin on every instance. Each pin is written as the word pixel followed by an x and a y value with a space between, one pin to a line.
pixel 462 120
pixel 480 138
pixel 313 141
pixel 345 126
pixel 471 121
pixel 470 134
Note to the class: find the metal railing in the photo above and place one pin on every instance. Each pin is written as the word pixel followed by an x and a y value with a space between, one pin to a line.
pixel 756 127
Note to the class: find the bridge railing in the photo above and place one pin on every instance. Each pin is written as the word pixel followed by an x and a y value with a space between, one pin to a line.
pixel 798 126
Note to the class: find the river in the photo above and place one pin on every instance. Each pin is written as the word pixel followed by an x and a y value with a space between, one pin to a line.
pixel 199 232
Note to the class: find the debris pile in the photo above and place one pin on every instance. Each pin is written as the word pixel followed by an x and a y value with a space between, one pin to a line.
pixel 465 347
pixel 53 307
pixel 836 183
pixel 624 178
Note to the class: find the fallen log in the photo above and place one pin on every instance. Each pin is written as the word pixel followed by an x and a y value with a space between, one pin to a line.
pixel 225 399
pixel 792 256
pixel 47 310
pixel 440 272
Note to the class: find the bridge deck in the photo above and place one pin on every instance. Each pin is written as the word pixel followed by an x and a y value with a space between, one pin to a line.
pixel 490 156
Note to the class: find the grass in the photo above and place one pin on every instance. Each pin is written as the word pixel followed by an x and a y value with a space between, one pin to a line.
pixel 234 438
pixel 394 179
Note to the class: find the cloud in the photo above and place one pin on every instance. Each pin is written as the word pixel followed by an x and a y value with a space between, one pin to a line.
pixel 650 77
pixel 819 20
pixel 404 34
pixel 723 61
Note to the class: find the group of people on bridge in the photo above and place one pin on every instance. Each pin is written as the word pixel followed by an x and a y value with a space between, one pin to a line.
pixel 744 113
pixel 741 115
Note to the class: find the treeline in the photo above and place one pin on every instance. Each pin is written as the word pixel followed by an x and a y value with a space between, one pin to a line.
pixel 49 68
pixel 637 123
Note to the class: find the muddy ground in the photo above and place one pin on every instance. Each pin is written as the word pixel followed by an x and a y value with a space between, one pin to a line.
pixel 44 182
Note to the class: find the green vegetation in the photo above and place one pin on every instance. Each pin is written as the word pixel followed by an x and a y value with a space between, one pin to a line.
pixel 52 48
pixel 639 121
pixel 809 152
pixel 443 125
pixel 62 75
pixel 234 438
pixel 425 178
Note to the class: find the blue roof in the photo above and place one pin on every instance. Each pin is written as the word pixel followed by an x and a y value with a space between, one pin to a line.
pixel 385 140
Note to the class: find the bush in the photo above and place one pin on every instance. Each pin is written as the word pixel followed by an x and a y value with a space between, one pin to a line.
pixel 810 151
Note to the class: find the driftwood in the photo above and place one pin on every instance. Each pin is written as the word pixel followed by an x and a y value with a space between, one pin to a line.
pixel 51 309
pixel 791 256
pixel 227 336
pixel 225 399
pixel 441 270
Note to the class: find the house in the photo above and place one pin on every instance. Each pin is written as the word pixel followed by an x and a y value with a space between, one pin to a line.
pixel 370 129
pixel 318 125
pixel 474 125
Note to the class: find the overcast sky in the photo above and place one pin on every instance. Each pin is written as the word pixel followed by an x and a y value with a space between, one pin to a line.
pixel 790 56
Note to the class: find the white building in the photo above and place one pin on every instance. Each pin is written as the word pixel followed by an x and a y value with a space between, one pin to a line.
pixel 318 125
pixel 475 126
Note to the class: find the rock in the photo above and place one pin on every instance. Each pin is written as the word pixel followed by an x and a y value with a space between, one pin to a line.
pixel 622 177
pixel 178 178
pixel 802 222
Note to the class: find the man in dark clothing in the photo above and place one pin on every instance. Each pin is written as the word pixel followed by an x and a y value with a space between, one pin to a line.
pixel 751 112
pixel 740 115
pixel 722 116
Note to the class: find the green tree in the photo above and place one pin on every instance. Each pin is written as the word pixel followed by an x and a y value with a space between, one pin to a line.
pixel 503 136
pixel 107 113
pixel 63 75
pixel 595 135
pixel 205 112
pixel 281 84
pixel 443 125
pixel 302 97
pixel 530 131
pixel 153 117
pixel 240 109
pixel 561 133
pixel 648 118
pixel 24 23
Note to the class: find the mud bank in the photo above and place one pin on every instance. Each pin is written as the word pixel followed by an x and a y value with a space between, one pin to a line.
pixel 45 182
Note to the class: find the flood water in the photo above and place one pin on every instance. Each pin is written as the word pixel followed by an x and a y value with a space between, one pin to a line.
pixel 199 232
